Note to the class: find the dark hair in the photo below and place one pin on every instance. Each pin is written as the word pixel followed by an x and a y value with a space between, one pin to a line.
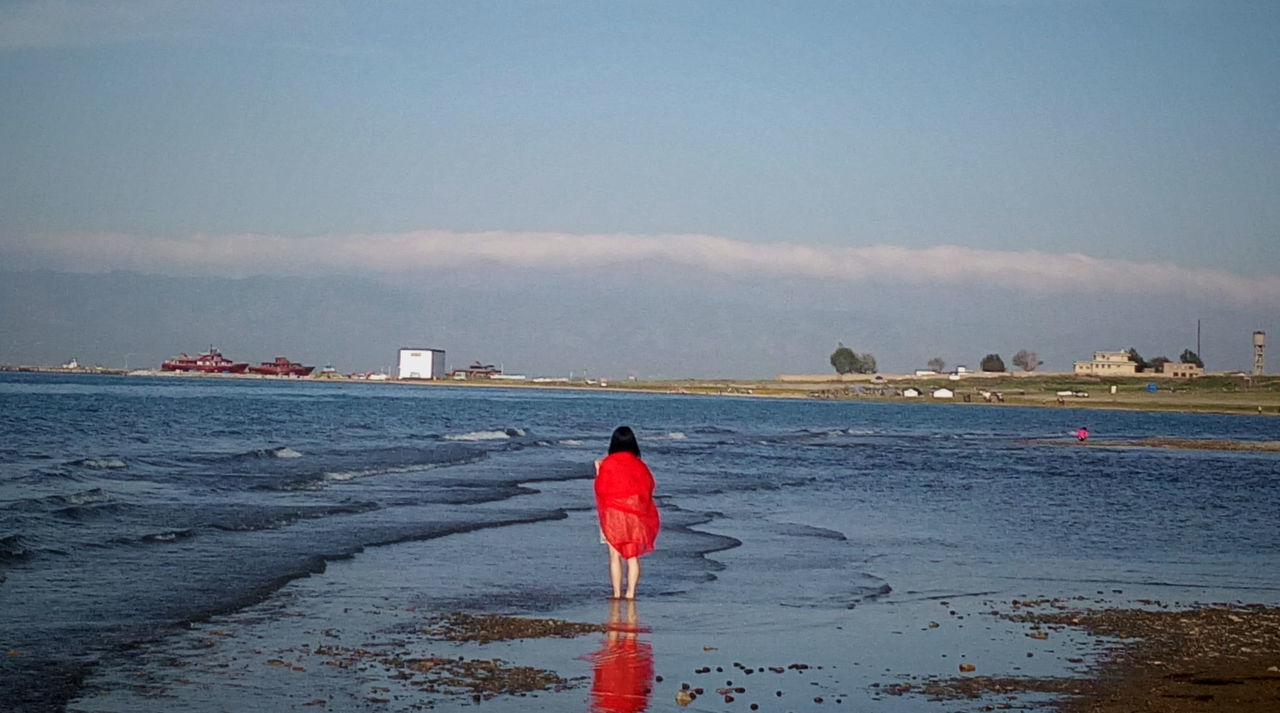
pixel 624 440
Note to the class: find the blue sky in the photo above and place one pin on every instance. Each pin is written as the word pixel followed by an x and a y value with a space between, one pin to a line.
pixel 1123 147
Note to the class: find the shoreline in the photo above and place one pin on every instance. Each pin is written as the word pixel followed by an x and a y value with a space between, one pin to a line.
pixel 1217 394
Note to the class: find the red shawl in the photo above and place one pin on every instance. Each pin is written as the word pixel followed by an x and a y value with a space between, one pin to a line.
pixel 624 500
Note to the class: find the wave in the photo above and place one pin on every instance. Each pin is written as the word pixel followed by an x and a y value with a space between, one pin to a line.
pixel 284 452
pixel 156 537
pixel 796 529
pixel 90 510
pixel 277 452
pixel 276 518
pixel 319 480
pixel 851 431
pixel 13 549
pixel 486 435
pixel 99 463
pixel 168 536
pixel 87 497
pixel 341 475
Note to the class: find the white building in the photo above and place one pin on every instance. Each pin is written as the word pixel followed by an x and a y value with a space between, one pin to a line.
pixel 420 363
pixel 943 393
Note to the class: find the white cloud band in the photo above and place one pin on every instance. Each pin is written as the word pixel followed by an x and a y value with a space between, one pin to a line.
pixel 239 255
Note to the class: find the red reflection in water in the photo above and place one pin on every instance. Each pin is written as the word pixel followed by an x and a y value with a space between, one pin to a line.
pixel 622 669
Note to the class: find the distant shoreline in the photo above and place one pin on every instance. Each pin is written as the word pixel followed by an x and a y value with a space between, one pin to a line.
pixel 1212 393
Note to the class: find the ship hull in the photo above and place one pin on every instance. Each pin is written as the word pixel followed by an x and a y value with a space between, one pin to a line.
pixel 273 370
pixel 281 367
pixel 235 368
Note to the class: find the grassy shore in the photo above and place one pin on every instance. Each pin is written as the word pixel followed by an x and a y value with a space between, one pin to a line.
pixel 1209 394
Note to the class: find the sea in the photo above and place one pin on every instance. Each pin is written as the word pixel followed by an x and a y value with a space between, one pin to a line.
pixel 132 507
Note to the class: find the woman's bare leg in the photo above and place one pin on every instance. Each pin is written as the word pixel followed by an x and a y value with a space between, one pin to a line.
pixel 615 572
pixel 633 576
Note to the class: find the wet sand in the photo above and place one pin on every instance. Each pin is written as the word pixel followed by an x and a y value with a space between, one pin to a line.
pixel 1217 657
pixel 361 637
pixel 1195 444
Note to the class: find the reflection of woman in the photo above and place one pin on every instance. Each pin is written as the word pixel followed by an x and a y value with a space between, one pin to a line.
pixel 629 518
pixel 622 670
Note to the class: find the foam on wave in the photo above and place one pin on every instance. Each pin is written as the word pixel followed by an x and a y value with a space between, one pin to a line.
pixel 486 435
pixel 87 497
pixel 100 463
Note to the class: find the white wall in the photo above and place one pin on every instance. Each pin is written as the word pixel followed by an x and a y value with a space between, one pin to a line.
pixel 420 364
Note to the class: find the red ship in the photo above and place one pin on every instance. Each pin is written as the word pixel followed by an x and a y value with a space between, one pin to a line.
pixel 282 367
pixel 211 361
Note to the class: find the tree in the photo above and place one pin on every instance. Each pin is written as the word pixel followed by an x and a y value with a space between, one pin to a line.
pixel 1159 362
pixel 866 363
pixel 992 362
pixel 1136 358
pixel 845 361
pixel 937 364
pixel 1028 361
pixel 1190 357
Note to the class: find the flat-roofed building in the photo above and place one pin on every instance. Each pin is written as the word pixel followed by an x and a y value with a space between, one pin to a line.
pixel 420 363
pixel 1108 364
pixel 1178 370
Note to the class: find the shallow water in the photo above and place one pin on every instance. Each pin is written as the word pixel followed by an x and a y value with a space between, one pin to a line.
pixel 130 506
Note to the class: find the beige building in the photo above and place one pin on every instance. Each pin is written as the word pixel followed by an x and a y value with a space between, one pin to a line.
pixel 1108 364
pixel 1175 370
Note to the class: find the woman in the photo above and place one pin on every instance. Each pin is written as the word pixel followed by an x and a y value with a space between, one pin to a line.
pixel 629 519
